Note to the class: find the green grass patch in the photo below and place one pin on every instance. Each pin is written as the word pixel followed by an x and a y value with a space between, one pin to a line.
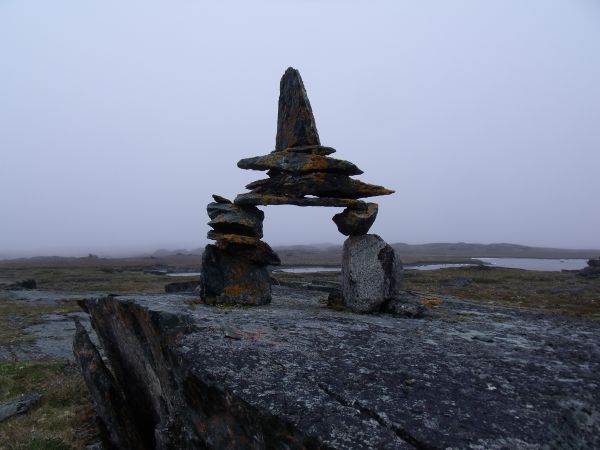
pixel 52 423
pixel 555 292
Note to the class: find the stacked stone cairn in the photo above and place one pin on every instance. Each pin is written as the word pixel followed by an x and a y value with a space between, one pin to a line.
pixel 300 172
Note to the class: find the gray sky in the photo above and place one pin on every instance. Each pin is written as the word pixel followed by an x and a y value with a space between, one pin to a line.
pixel 119 119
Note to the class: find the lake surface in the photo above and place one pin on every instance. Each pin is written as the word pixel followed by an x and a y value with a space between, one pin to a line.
pixel 545 265
pixel 308 269
pixel 184 274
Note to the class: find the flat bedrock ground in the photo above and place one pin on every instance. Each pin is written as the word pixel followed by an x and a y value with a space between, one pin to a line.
pixel 467 376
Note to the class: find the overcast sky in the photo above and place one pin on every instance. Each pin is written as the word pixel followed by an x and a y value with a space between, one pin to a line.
pixel 119 119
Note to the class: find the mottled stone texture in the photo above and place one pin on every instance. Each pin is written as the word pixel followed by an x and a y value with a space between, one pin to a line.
pixel 299 170
pixel 297 375
pixel 298 163
pixel 354 222
pixel 295 121
pixel 228 278
pixel 320 184
pixel 369 273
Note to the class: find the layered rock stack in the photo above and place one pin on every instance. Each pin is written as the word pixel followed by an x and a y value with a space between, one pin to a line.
pixel 234 271
pixel 300 172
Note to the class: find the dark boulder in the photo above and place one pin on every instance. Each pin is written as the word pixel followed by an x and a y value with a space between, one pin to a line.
pixel 229 279
pixel 295 121
pixel 353 222
pixel 260 253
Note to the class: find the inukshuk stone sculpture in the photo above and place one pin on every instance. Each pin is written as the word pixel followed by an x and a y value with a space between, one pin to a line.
pixel 300 172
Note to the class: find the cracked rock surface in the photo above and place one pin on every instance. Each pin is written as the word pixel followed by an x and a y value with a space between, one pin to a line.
pixel 297 375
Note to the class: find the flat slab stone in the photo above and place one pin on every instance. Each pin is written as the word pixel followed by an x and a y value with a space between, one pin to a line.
pixel 296 373
pixel 250 198
pixel 319 184
pixel 293 162
pixel 312 149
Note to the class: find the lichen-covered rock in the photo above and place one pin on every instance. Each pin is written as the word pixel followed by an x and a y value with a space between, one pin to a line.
pixel 320 184
pixel 298 163
pixel 295 121
pixel 354 222
pixel 230 279
pixel 232 238
pixel 297 375
pixel 228 218
pixel 369 273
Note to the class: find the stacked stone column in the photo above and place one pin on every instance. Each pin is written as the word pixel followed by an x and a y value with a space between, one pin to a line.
pixel 300 172
pixel 234 270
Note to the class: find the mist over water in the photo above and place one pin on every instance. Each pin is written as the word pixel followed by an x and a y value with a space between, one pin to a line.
pixel 118 120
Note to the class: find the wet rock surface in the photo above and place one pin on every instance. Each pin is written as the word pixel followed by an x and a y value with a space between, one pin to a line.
pixel 369 273
pixel 298 375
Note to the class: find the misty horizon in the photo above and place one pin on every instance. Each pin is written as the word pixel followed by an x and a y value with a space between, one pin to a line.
pixel 118 121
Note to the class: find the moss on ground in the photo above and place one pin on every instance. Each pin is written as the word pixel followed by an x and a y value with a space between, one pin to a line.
pixel 53 423
pixel 554 292
pixel 91 279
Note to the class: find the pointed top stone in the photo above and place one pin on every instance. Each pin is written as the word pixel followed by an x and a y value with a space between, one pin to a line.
pixel 295 121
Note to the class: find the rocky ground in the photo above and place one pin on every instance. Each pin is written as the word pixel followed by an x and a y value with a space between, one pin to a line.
pixel 517 376
pixel 296 373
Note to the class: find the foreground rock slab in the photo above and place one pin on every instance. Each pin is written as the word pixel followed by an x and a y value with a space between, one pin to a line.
pixel 297 375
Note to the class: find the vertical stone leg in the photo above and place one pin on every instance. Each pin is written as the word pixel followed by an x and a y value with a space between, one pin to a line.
pixel 370 273
pixel 229 278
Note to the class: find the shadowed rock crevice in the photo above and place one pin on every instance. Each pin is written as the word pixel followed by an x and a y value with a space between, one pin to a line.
pixel 401 433
pixel 157 399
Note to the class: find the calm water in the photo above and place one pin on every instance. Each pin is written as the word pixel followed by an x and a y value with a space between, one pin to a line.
pixel 308 269
pixel 546 265
pixel 437 266
pixel 184 274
